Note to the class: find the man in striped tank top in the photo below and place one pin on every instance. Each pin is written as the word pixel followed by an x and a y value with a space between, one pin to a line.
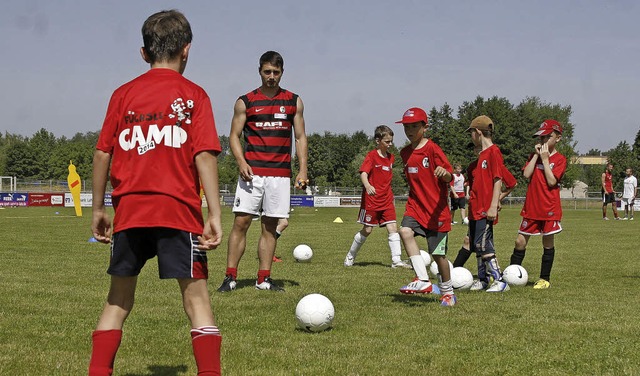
pixel 267 117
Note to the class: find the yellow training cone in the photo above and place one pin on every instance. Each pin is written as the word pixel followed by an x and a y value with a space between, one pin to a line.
pixel 74 186
pixel 338 220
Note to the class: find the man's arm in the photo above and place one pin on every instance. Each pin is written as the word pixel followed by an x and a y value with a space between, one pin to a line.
pixel 602 181
pixel 100 223
pixel 301 145
pixel 237 125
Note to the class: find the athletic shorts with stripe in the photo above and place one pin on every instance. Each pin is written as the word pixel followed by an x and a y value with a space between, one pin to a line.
pixel 377 217
pixel 539 227
pixel 263 195
pixel 177 252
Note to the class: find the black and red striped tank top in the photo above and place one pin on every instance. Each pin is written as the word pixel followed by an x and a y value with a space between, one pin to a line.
pixel 268 132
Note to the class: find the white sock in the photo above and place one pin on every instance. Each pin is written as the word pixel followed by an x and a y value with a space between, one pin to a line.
pixel 446 287
pixel 358 241
pixel 394 246
pixel 419 267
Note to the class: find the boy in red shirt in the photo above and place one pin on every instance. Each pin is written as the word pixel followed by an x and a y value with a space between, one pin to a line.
pixel 542 211
pixel 484 199
pixel 376 206
pixel 427 214
pixel 608 194
pixel 160 140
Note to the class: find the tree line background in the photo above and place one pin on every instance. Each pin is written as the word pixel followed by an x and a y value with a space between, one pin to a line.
pixel 334 159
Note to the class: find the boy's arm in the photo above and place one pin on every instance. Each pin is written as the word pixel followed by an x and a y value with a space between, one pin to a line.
pixel 100 222
pixel 548 174
pixel 237 125
pixel 207 165
pixel 364 178
pixel 530 166
pixel 492 213
pixel 301 145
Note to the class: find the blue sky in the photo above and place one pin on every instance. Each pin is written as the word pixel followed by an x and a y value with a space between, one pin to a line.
pixel 356 64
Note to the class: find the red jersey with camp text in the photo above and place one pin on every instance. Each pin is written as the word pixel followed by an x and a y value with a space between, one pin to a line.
pixel 543 202
pixel 488 168
pixel 380 172
pixel 608 181
pixel 427 202
pixel 154 127
pixel 268 132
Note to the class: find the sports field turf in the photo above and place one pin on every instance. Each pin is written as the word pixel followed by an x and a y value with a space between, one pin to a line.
pixel 54 285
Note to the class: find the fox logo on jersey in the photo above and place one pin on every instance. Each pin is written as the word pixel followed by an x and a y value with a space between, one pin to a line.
pixel 485 165
pixel 425 162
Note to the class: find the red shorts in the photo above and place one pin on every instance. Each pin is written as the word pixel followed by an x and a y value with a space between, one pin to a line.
pixel 539 227
pixel 377 217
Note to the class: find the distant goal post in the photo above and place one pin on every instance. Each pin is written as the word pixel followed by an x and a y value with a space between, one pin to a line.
pixel 11 186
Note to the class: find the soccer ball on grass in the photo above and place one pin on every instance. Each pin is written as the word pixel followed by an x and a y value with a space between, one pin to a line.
pixel 515 275
pixel 314 313
pixel 302 253
pixel 461 278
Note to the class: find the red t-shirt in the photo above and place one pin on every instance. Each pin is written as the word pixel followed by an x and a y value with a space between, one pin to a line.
pixel 489 166
pixel 608 181
pixel 543 202
pixel 380 172
pixel 508 180
pixel 154 127
pixel 427 202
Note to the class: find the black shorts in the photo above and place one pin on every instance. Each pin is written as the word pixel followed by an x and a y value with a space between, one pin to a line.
pixel 436 241
pixel 608 198
pixel 178 255
pixel 481 236
pixel 458 203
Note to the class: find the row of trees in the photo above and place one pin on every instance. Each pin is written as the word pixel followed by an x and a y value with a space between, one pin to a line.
pixel 334 159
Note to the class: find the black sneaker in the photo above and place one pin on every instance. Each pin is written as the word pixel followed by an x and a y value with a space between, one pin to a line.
pixel 268 285
pixel 229 284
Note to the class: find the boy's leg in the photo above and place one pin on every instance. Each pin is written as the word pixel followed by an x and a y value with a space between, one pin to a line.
pixel 205 336
pixel 548 256
pixel 358 240
pixel 266 250
pixel 463 254
pixel 519 249
pixel 108 334
pixel 395 247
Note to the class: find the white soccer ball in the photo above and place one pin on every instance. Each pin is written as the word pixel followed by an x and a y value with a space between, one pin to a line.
pixel 426 257
pixel 433 268
pixel 314 313
pixel 515 275
pixel 302 253
pixel 461 278
pixel 465 220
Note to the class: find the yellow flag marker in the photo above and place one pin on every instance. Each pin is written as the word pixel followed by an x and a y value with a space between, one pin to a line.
pixel 74 185
pixel 338 220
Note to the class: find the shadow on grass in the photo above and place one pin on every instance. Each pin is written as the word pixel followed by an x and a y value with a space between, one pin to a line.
pixel 370 264
pixel 158 370
pixel 414 300
pixel 251 283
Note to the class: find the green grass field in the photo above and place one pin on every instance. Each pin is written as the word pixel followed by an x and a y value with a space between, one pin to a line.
pixel 54 285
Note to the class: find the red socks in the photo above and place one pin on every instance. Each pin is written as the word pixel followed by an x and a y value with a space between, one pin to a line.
pixel 103 353
pixel 232 272
pixel 206 342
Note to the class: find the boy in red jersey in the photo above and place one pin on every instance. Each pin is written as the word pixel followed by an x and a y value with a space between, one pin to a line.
pixel 267 117
pixel 160 139
pixel 464 253
pixel 484 199
pixel 427 214
pixel 376 206
pixel 608 194
pixel 542 211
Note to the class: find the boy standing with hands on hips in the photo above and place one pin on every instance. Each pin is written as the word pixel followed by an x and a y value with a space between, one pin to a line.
pixel 427 214
pixel 160 140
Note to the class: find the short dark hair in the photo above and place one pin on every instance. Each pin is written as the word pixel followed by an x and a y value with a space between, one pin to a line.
pixel 272 58
pixel 165 34
pixel 381 131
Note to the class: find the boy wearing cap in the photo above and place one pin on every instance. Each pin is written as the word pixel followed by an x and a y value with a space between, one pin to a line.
pixel 542 212
pixel 484 200
pixel 427 214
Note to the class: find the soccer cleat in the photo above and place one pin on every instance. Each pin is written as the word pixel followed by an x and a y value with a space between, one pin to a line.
pixel 478 285
pixel 349 259
pixel 454 222
pixel 631 219
pixel 448 300
pixel 541 284
pixel 617 218
pixel 605 218
pixel 624 218
pixel 417 286
pixel 267 284
pixel 498 286
pixel 276 259
pixel 400 264
pixel 228 284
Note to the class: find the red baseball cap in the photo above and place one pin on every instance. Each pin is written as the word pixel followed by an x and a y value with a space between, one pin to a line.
pixel 413 115
pixel 547 127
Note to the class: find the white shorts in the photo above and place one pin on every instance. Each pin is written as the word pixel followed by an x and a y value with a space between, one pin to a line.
pixel 627 201
pixel 263 195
